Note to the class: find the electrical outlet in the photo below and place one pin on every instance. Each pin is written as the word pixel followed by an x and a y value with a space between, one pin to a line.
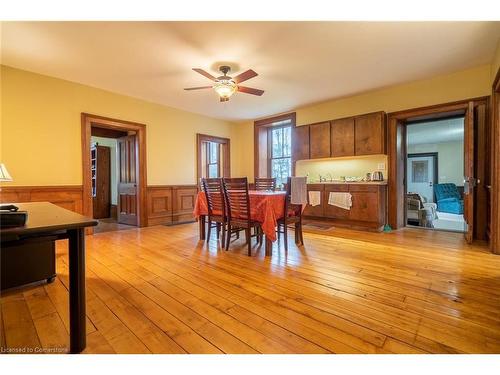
pixel 381 166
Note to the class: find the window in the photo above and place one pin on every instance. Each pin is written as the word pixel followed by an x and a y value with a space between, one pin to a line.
pixel 213 157
pixel 280 145
pixel 273 147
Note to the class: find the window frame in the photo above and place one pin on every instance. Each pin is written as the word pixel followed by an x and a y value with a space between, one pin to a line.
pixel 223 157
pixel 271 157
pixel 208 158
pixel 261 144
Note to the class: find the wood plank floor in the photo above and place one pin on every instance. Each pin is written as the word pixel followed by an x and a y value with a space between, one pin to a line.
pixel 160 290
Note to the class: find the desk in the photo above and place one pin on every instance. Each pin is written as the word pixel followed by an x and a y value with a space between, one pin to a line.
pixel 266 207
pixel 46 220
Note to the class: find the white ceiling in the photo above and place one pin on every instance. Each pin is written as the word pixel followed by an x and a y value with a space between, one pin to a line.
pixel 440 131
pixel 298 62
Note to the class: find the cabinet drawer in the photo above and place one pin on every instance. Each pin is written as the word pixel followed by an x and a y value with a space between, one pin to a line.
pixel 336 187
pixel 366 188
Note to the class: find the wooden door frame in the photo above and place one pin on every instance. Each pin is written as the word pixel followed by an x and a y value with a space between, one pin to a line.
pixel 495 168
pixel 88 121
pixel 396 147
pixel 200 138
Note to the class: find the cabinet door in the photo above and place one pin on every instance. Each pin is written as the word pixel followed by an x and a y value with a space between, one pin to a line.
pixel 300 142
pixel 369 134
pixel 319 144
pixel 365 203
pixel 315 210
pixel 342 137
pixel 335 212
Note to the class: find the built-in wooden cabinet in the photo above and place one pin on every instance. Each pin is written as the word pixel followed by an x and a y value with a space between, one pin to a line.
pixel 300 142
pixel 367 205
pixel 352 136
pixel 367 210
pixel 342 137
pixel 330 211
pixel 316 211
pixel 319 140
pixel 369 134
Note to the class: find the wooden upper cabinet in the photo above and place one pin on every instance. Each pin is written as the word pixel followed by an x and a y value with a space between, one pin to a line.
pixel 342 137
pixel 369 132
pixel 320 140
pixel 300 142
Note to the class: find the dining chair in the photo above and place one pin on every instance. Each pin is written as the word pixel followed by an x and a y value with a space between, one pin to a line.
pixel 268 184
pixel 238 210
pixel 292 214
pixel 217 216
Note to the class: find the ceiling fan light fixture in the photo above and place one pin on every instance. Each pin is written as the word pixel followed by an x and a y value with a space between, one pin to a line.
pixel 225 88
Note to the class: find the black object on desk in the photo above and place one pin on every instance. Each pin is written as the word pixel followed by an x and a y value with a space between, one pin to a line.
pixel 47 221
pixel 10 216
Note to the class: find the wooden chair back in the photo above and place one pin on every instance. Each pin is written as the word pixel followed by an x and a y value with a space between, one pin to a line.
pixel 265 184
pixel 214 193
pixel 237 199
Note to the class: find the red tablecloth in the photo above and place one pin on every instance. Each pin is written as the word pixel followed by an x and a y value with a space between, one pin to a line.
pixel 266 207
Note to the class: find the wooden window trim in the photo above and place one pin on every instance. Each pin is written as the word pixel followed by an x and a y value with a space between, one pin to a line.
pixel 259 127
pixel 200 138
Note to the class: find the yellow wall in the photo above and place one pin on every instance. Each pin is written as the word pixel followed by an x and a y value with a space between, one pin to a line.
pixel 40 123
pixel 40 133
pixel 465 84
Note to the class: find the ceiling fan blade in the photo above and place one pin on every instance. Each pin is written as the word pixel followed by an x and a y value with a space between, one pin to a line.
pixel 198 88
pixel 245 76
pixel 249 90
pixel 203 73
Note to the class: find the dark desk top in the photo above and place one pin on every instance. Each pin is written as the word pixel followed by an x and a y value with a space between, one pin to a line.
pixel 47 217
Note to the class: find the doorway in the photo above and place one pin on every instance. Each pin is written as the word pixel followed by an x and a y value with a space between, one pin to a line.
pixel 475 155
pixel 435 174
pixel 114 172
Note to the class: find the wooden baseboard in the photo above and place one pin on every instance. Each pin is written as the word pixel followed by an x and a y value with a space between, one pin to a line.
pixel 114 211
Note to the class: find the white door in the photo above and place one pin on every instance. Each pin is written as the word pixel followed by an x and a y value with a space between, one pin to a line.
pixel 420 176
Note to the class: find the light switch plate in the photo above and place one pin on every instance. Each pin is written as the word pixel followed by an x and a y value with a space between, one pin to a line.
pixel 381 166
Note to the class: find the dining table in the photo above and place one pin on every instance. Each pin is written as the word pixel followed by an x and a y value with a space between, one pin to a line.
pixel 266 207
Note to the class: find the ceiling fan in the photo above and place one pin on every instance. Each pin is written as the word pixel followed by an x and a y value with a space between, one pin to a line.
pixel 225 86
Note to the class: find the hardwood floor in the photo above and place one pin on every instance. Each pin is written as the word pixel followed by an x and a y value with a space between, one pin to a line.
pixel 159 290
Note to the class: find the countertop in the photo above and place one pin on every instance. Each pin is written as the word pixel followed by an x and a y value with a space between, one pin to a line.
pixel 350 182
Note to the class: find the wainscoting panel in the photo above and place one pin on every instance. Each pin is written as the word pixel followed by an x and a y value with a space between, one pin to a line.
pixel 166 204
pixel 184 197
pixel 69 197
pixel 170 204
pixel 159 200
